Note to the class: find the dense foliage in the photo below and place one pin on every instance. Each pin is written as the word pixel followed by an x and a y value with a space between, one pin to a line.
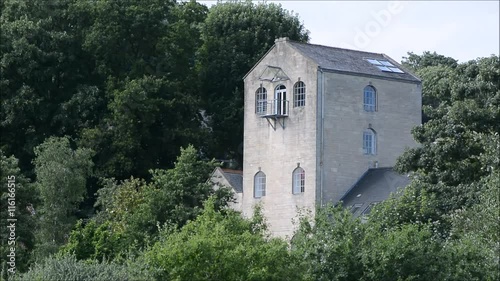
pixel 133 211
pixel 68 268
pixel 24 195
pixel 61 174
pixel 98 97
pixel 219 246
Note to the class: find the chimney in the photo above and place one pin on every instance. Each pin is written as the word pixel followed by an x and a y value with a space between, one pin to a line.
pixel 281 39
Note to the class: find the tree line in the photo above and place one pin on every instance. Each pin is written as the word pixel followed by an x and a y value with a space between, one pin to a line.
pixel 99 97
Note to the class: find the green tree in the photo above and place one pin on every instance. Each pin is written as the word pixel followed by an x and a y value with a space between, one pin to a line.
pixel 236 34
pixel 148 118
pixel 69 268
pixel 47 80
pixel 415 62
pixel 178 194
pixel 463 111
pixel 329 245
pixel 94 241
pixel 25 198
pixel 477 227
pixel 409 252
pixel 61 175
pixel 133 210
pixel 219 246
pixel 151 83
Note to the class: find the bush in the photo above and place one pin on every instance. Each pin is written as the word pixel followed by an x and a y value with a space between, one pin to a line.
pixel 67 268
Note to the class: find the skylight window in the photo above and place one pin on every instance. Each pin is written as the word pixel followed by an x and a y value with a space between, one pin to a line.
pixel 384 62
pixel 385 66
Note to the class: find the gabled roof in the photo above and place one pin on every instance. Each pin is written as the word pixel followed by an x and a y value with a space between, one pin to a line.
pixel 373 187
pixel 233 177
pixel 350 61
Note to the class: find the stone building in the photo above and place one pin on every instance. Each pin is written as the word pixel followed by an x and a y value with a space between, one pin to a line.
pixel 318 121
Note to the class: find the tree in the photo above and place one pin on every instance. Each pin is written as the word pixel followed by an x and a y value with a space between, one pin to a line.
pixel 416 62
pixel 47 80
pixel 149 117
pixel 235 36
pixel 69 268
pixel 133 210
pixel 151 83
pixel 408 252
pixel 463 112
pixel 219 246
pixel 329 245
pixel 61 175
pixel 20 191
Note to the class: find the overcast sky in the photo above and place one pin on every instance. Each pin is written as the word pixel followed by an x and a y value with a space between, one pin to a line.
pixel 463 30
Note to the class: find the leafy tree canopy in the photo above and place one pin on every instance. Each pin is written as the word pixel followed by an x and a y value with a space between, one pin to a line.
pixel 61 175
pixel 219 246
pixel 132 211
pixel 22 192
pixel 462 104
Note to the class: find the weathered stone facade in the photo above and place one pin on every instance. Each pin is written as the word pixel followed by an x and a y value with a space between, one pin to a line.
pixel 324 137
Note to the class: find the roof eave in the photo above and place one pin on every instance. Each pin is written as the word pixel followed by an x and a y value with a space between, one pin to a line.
pixel 258 62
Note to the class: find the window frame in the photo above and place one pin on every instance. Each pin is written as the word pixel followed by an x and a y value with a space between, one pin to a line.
pixel 366 212
pixel 369 142
pixel 259 185
pixel 355 208
pixel 298 180
pixel 261 101
pixel 370 101
pixel 299 94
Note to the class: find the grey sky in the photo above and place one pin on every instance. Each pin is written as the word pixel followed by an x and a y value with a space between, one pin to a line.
pixel 463 30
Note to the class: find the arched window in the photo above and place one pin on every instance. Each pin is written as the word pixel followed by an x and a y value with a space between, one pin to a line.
pixel 369 142
pixel 299 94
pixel 261 100
pixel 299 180
pixel 259 185
pixel 370 99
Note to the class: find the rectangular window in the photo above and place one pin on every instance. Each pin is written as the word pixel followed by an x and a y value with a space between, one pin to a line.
pixel 260 187
pixel 367 143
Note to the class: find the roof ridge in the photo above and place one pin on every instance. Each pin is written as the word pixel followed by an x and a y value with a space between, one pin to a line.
pixel 337 48
pixel 232 171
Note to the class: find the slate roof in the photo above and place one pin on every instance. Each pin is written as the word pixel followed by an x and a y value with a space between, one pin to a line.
pixel 374 186
pixel 235 179
pixel 350 61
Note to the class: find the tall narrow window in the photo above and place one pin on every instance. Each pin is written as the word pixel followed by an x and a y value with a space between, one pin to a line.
pixel 299 94
pixel 370 99
pixel 299 180
pixel 280 102
pixel 261 101
pixel 369 142
pixel 259 185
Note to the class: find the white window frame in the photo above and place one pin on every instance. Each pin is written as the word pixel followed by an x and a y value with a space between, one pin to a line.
pixel 299 94
pixel 261 101
pixel 369 142
pixel 370 99
pixel 298 180
pixel 259 185
pixel 280 101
